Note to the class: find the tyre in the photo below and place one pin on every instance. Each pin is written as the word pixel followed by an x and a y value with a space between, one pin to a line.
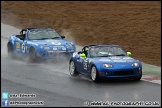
pixel 94 74
pixel 72 69
pixel 32 55
pixel 11 53
pixel 138 77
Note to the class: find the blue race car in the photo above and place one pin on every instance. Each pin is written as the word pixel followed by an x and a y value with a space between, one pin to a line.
pixel 107 61
pixel 38 44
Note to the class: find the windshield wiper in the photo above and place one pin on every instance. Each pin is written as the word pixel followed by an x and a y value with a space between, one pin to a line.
pixel 103 56
pixel 120 55
pixel 43 38
pixel 49 38
pixel 54 37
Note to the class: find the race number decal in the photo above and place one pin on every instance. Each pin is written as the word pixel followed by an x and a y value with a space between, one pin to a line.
pixel 17 44
pixel 85 65
pixel 23 48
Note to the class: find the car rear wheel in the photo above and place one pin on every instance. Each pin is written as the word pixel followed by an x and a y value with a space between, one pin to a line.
pixel 72 69
pixel 94 74
pixel 11 53
pixel 32 55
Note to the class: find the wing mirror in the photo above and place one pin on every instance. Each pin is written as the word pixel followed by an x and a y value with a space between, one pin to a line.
pixel 62 37
pixel 129 53
pixel 79 52
pixel 21 37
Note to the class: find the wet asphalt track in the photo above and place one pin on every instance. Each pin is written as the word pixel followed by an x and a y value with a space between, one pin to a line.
pixel 52 83
pixel 57 88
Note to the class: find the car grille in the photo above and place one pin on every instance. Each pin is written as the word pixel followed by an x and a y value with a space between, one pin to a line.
pixel 123 72
pixel 57 53
pixel 54 54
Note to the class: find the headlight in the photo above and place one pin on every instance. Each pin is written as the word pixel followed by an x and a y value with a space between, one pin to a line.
pixel 45 47
pixel 107 65
pixel 69 46
pixel 72 43
pixel 135 64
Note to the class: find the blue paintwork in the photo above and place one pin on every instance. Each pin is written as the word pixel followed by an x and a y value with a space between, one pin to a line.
pixel 23 46
pixel 120 63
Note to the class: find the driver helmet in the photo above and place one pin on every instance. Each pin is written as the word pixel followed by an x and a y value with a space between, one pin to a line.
pixel 86 49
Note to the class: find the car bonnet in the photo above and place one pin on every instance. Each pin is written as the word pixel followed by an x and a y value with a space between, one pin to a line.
pixel 114 59
pixel 50 42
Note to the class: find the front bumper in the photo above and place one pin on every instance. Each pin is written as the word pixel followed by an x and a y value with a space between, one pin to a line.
pixel 53 54
pixel 121 73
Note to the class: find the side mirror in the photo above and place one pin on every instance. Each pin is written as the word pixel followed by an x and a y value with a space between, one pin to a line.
pixel 83 55
pixel 79 52
pixel 129 53
pixel 21 37
pixel 62 37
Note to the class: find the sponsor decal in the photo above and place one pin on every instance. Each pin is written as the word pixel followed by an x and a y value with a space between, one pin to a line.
pixel 18 45
pixel 85 65
pixel 59 48
pixel 53 41
pixel 56 43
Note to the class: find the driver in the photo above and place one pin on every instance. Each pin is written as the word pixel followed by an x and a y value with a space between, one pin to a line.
pixel 85 52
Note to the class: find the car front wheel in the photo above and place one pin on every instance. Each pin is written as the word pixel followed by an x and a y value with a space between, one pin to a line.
pixel 32 55
pixel 94 74
pixel 11 53
pixel 72 69
pixel 139 76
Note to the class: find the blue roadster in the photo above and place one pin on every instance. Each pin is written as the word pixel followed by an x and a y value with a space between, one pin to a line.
pixel 104 62
pixel 38 44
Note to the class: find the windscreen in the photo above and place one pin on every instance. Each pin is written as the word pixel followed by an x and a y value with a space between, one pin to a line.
pixel 106 51
pixel 42 34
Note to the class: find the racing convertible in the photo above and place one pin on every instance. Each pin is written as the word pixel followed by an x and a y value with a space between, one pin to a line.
pixel 106 61
pixel 38 44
